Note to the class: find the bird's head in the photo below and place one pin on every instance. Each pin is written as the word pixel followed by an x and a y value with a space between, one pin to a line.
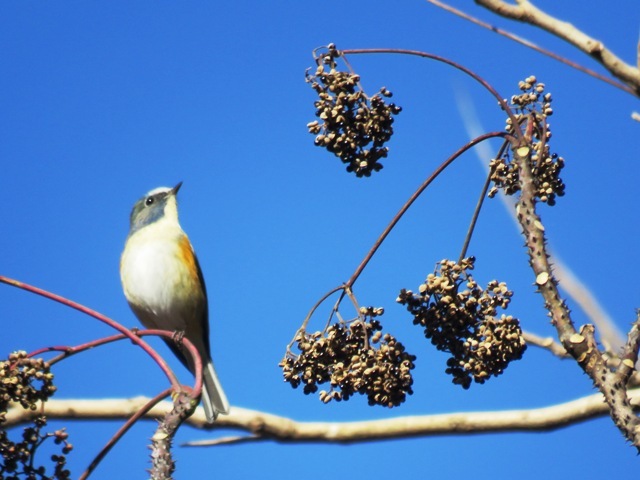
pixel 160 203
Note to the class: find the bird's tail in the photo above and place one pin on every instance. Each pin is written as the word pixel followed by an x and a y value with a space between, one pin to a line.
pixel 214 400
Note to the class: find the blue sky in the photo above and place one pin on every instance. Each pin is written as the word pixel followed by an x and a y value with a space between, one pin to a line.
pixel 103 101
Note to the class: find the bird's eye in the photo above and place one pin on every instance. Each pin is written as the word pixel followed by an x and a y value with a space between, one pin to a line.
pixel 148 201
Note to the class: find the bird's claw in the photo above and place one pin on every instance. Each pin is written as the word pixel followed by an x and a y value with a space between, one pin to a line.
pixel 178 335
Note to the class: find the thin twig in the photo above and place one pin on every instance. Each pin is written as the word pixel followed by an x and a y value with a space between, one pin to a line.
pixel 547 343
pixel 401 51
pixel 144 410
pixel 303 327
pixel 192 352
pixel 92 313
pixel 225 441
pixel 480 202
pixel 414 197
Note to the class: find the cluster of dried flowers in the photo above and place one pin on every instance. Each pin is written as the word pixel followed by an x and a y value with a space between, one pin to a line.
pixel 352 125
pixel 460 318
pixel 27 382
pixel 352 358
pixel 532 107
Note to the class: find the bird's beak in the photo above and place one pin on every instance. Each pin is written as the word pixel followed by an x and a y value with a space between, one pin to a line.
pixel 174 190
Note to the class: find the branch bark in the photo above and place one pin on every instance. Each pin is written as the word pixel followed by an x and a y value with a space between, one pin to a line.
pixel 531 45
pixel 524 11
pixel 581 345
pixel 262 426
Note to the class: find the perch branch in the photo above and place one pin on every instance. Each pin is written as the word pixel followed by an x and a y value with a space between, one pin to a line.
pixel 98 316
pixel 262 426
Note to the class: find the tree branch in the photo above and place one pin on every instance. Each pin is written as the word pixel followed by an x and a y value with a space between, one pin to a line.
pixel 532 46
pixel 580 345
pixel 609 333
pixel 526 12
pixel 265 426
pixel 547 343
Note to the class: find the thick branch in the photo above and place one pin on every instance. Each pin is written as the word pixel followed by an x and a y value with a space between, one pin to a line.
pixel 266 426
pixel 533 46
pixel 629 357
pixel 526 12
pixel 610 334
pixel 580 345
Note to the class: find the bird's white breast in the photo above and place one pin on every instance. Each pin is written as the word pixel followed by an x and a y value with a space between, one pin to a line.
pixel 158 284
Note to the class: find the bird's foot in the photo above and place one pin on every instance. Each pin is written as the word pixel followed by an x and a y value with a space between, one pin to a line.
pixel 178 335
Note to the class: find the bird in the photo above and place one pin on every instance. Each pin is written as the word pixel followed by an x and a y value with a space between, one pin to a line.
pixel 164 286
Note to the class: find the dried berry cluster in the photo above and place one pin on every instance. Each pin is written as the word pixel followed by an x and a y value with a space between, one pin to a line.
pixel 354 358
pixel 532 105
pixel 460 318
pixel 18 457
pixel 352 126
pixel 24 380
pixel 27 381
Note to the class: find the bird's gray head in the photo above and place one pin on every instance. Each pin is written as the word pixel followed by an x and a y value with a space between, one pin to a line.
pixel 154 206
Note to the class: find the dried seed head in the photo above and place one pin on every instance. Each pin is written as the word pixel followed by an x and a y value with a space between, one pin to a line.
pixel 354 358
pixel 463 322
pixel 27 382
pixel 354 126
pixel 533 105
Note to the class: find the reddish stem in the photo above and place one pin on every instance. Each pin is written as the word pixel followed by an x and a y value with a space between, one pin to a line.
pixel 135 337
pixel 122 430
pixel 438 58
pixel 126 333
pixel 414 197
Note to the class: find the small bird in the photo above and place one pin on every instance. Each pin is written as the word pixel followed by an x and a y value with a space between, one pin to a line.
pixel 164 286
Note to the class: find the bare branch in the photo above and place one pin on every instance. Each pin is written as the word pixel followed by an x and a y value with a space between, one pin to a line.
pixel 629 357
pixel 162 462
pixel 547 343
pixel 121 431
pixel 609 333
pixel 531 45
pixel 131 335
pixel 414 197
pixel 580 345
pixel 225 441
pixel 526 12
pixel 266 426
